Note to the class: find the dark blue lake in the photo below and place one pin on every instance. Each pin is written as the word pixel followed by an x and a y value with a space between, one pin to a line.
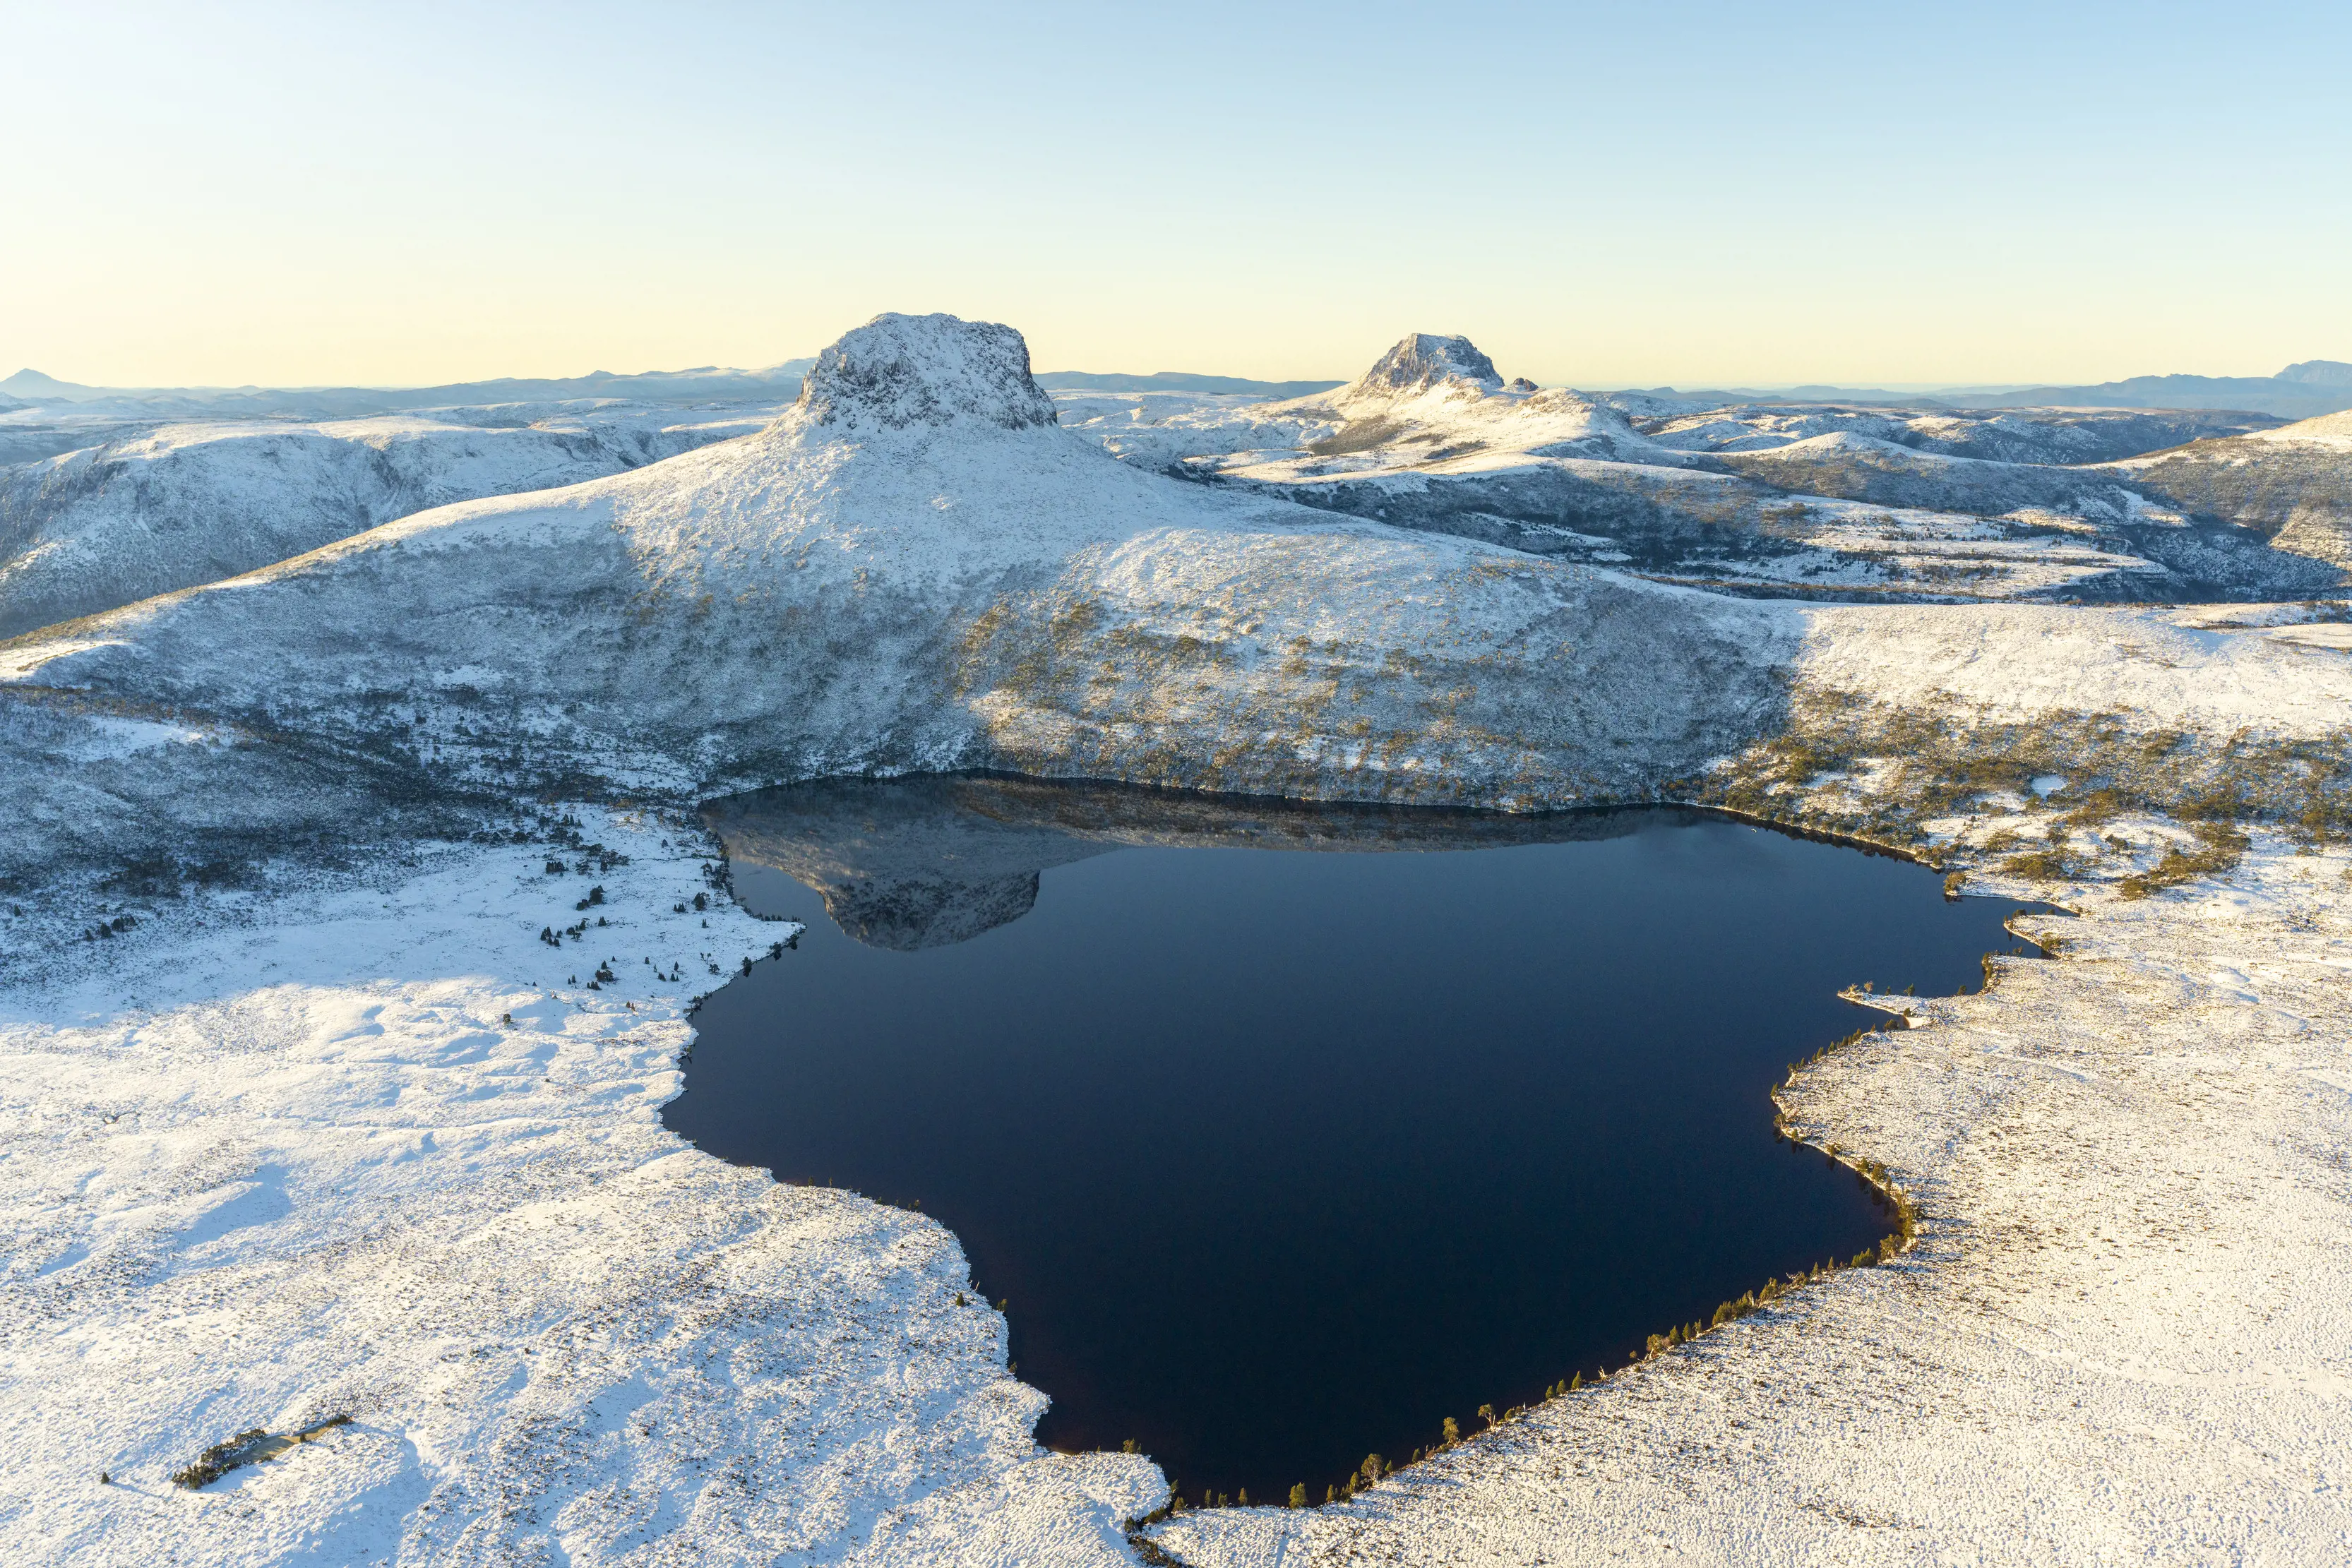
pixel 1287 1132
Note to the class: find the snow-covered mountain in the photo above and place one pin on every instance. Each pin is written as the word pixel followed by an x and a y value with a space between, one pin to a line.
pixel 171 507
pixel 1764 499
pixel 1422 362
pixel 916 566
pixel 1427 400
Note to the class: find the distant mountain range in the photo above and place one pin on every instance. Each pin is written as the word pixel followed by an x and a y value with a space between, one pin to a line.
pixel 2299 391
pixel 706 383
pixel 1171 380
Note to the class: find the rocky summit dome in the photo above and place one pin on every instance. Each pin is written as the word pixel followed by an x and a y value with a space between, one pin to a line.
pixel 1423 360
pixel 900 371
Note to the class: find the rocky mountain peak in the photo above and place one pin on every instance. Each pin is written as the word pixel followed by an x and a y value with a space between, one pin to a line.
pixel 1425 360
pixel 898 371
pixel 2318 374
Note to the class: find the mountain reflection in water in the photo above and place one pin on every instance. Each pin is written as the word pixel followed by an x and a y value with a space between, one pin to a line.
pixel 937 859
pixel 1282 1159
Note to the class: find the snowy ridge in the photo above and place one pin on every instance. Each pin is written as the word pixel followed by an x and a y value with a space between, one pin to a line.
pixel 186 504
pixel 50 397
pixel 2332 430
pixel 2291 485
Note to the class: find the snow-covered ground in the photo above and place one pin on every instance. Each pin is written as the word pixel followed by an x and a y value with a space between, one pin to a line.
pixel 345 1121
pixel 379 1151
pixel 2037 436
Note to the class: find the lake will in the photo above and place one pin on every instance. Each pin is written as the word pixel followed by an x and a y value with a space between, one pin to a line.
pixel 1287 1131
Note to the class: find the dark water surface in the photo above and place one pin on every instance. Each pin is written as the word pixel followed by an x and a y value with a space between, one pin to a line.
pixel 1280 1158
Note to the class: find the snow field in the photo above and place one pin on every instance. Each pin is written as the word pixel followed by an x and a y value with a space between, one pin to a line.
pixel 378 1158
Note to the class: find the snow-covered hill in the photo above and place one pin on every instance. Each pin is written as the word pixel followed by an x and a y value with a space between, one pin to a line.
pixel 915 566
pixel 182 504
pixel 2291 485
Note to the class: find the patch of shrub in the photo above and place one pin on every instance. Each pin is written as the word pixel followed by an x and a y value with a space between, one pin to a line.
pixel 248 1447
pixel 2053 864
pixel 2218 847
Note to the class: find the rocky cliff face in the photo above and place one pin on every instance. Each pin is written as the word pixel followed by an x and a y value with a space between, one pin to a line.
pixel 902 371
pixel 1422 361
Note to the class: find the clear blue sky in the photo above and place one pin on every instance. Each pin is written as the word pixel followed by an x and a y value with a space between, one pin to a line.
pixel 1607 195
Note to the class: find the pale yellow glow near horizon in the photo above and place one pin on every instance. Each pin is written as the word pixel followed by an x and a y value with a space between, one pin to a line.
pixel 289 197
pixel 346 319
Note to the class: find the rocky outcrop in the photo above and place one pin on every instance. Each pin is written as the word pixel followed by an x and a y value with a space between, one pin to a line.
pixel 1422 361
pixel 899 371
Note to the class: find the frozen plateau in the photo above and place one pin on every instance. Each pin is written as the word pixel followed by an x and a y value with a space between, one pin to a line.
pixel 325 1113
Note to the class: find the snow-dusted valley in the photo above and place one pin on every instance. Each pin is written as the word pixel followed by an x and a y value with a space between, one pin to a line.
pixel 352 900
